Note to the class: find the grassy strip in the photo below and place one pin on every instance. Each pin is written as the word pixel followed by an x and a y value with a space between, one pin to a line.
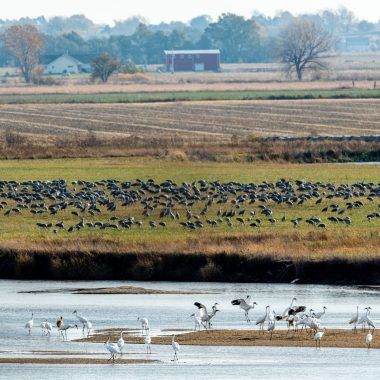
pixel 188 96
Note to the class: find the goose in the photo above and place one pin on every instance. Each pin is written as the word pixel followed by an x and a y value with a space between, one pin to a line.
pixel 244 305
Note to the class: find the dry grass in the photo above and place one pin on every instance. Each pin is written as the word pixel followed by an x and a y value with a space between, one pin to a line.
pixel 71 361
pixel 337 338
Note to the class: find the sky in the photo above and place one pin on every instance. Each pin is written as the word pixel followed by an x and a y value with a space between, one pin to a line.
pixel 156 11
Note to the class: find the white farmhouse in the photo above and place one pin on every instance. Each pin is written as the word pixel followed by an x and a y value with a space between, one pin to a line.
pixel 66 64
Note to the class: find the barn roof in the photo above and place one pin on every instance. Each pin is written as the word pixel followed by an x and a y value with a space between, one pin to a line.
pixel 77 58
pixel 210 51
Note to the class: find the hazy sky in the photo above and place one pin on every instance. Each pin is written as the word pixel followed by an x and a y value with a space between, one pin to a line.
pixel 166 10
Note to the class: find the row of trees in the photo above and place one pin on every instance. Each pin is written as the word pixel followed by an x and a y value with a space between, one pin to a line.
pixel 303 45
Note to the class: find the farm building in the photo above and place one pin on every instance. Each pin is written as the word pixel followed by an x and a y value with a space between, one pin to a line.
pixel 192 60
pixel 66 64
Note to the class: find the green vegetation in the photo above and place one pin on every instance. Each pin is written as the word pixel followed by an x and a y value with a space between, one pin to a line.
pixel 189 96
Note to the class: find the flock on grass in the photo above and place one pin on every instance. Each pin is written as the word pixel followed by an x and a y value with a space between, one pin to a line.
pixel 295 317
pixel 193 205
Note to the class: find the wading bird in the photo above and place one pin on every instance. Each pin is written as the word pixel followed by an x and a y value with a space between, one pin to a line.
pixel 120 343
pixel 113 349
pixel 175 347
pixel 354 319
pixel 261 321
pixel 318 336
pixel 147 342
pixel 244 305
pixel 144 325
pixel 63 330
pixel 368 339
pixel 29 324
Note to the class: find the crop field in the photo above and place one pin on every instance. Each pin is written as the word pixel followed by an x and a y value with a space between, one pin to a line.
pixel 219 119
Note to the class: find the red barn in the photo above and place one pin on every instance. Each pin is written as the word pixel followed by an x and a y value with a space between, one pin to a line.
pixel 192 60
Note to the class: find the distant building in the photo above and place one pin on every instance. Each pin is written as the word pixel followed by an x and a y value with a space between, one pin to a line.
pixel 192 60
pixel 66 64
pixel 359 42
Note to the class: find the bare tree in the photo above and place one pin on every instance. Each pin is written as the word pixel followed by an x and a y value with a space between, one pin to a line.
pixel 304 46
pixel 25 43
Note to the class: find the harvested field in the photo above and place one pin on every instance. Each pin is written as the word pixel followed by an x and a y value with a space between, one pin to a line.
pixel 197 120
pixel 281 338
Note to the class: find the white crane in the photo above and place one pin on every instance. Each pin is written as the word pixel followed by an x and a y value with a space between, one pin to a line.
pixel 292 310
pixel 175 347
pixel 262 320
pixel 368 339
pixel 354 319
pixel 43 328
pixel 204 315
pixel 321 313
pixel 271 327
pixel 113 349
pixel 120 342
pixel 85 322
pixel 363 318
pixel 147 342
pixel 88 326
pixel 197 322
pixel 29 324
pixel 245 305
pixel 48 327
pixel 318 336
pixel 63 330
pixel 144 325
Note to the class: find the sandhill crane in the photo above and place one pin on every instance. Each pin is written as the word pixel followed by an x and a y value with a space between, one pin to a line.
pixel 368 339
pixel 113 349
pixel 244 305
pixel 63 329
pixel 262 320
pixel 318 336
pixel 321 313
pixel 175 347
pixel 120 343
pixel 144 325
pixel 354 319
pixel 147 342
pixel 197 322
pixel 29 324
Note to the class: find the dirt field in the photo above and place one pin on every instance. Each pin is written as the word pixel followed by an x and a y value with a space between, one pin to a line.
pixel 219 119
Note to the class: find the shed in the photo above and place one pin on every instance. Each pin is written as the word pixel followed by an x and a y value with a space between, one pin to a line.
pixel 192 60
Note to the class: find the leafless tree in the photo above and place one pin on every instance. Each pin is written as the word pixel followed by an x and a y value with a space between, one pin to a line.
pixel 304 45
pixel 25 43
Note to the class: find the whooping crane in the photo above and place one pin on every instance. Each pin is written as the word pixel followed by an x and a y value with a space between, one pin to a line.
pixel 197 322
pixel 175 347
pixel 63 329
pixel 120 343
pixel 48 327
pixel 368 339
pixel 85 322
pixel 271 327
pixel 204 315
pixel 144 325
pixel 29 324
pixel 147 342
pixel 113 349
pixel 318 336
pixel 321 313
pixel 244 305
pixel 363 318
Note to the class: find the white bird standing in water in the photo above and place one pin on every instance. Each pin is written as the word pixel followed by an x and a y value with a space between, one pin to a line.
pixel 144 325
pixel 63 329
pixel 113 349
pixel 175 346
pixel 321 313
pixel 120 343
pixel 48 327
pixel 147 342
pixel 29 324
pixel 261 321
pixel 244 305
pixel 197 322
pixel 368 339
pixel 85 322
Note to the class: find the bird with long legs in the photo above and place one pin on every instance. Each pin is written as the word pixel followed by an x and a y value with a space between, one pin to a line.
pixel 83 320
pixel 63 330
pixel 321 313
pixel 363 318
pixel 318 336
pixel 176 348
pixel 29 324
pixel 144 325
pixel 147 342
pixel 354 320
pixel 197 322
pixel 113 349
pixel 368 339
pixel 204 315
pixel 245 305
pixel 120 343
pixel 261 321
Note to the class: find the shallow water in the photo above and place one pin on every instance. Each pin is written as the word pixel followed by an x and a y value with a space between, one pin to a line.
pixel 172 312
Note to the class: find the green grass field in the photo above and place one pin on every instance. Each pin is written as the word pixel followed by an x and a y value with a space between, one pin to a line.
pixel 188 96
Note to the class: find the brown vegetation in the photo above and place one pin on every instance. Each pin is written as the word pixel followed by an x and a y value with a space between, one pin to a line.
pixel 70 361
pixel 281 338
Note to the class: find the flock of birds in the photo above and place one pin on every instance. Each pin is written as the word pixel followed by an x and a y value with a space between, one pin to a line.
pixel 294 316
pixel 191 205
